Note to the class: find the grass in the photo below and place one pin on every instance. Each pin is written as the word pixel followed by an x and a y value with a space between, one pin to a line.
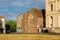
pixel 29 37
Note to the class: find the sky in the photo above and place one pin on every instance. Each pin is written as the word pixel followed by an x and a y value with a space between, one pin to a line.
pixel 12 8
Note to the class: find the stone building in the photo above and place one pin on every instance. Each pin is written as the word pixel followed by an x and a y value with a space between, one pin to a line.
pixel 53 15
pixel 19 23
pixel 30 22
pixel 2 24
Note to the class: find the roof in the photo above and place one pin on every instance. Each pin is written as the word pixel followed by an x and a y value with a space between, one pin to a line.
pixel 37 12
pixel 2 17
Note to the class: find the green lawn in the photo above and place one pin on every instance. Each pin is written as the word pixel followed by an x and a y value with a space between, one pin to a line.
pixel 29 37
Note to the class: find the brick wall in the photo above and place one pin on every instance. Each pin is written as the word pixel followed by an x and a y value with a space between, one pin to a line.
pixel 38 20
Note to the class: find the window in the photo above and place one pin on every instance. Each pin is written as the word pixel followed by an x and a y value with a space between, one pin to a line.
pixel 31 21
pixel 58 21
pixel 51 21
pixel 51 7
pixel 59 6
pixel 19 29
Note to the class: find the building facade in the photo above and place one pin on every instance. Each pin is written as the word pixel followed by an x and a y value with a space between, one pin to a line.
pixel 19 23
pixel 53 15
pixel 2 24
pixel 30 22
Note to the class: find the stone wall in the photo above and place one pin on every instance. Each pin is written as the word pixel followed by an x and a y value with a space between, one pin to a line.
pixel 34 15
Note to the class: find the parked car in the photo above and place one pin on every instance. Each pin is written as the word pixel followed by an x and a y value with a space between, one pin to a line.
pixel 10 31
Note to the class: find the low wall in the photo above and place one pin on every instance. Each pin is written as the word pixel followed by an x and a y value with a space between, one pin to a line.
pixel 54 30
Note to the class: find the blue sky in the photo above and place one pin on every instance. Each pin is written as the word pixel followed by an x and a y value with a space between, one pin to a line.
pixel 12 8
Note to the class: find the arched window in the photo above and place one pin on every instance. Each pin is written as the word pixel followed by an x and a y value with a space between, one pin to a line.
pixel 31 19
pixel 51 21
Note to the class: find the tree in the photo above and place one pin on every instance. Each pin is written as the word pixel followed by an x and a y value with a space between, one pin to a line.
pixel 11 25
